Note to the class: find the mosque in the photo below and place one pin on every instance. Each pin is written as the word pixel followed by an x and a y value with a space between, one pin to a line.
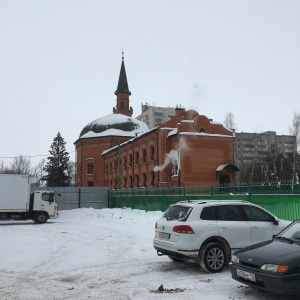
pixel 120 152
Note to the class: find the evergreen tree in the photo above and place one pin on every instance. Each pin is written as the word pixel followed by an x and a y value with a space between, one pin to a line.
pixel 57 164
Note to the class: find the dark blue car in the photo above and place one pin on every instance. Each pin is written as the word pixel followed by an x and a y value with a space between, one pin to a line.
pixel 272 266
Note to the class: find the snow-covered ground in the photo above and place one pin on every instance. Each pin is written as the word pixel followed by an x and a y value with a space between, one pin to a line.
pixel 102 254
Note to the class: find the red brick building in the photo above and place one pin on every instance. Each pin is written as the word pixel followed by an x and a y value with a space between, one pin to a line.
pixel 105 133
pixel 121 152
pixel 188 150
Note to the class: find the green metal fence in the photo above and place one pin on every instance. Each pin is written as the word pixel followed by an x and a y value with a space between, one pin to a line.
pixel 282 200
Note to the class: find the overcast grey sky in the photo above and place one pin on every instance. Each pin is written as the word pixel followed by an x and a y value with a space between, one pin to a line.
pixel 60 62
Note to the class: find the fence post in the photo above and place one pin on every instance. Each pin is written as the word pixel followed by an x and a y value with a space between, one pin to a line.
pixel 79 198
pixel 146 199
pixel 184 193
pixel 163 198
pixel 132 199
pixel 212 192
pixel 249 192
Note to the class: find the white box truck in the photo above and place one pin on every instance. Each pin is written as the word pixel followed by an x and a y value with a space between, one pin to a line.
pixel 17 203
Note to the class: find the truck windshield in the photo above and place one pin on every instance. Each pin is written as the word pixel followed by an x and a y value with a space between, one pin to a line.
pixel 48 197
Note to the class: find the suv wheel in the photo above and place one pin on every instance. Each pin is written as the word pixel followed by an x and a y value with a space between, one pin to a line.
pixel 213 258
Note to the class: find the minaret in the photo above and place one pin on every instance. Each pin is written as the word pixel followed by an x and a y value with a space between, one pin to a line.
pixel 123 93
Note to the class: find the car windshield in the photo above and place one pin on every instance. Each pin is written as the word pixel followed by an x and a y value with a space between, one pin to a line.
pixel 291 232
pixel 177 212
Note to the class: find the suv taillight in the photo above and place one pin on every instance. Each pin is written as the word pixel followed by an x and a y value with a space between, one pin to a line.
pixel 183 229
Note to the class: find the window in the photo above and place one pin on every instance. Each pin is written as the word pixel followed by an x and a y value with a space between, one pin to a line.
pixel 90 183
pixel 137 180
pixel 124 161
pixel 209 213
pixel 229 213
pixel 152 153
pixel 152 183
pixel 145 179
pixel 256 214
pixel 202 129
pixel 145 155
pixel 48 197
pixel 90 168
pixel 136 157
pixel 177 212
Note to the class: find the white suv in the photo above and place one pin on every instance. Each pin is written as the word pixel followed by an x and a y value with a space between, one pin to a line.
pixel 207 231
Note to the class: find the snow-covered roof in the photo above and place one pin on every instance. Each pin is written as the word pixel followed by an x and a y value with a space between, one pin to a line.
pixel 206 134
pixel 173 132
pixel 129 141
pixel 187 121
pixel 167 128
pixel 114 124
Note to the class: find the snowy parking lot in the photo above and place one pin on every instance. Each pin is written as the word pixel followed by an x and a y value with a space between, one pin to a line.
pixel 103 254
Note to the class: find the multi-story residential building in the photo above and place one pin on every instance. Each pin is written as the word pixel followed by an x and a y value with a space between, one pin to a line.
pixel 249 147
pixel 154 115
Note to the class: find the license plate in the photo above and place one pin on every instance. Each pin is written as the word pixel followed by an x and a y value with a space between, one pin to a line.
pixel 164 235
pixel 246 275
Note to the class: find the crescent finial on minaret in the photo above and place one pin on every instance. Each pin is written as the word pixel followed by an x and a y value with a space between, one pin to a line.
pixel 122 54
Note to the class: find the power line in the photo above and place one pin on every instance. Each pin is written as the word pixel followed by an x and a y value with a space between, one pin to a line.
pixel 29 156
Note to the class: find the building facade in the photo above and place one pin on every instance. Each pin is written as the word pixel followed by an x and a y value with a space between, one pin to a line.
pixel 105 133
pixel 249 147
pixel 154 115
pixel 183 149
pixel 187 150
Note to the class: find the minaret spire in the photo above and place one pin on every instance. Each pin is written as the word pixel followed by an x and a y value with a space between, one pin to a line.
pixel 123 93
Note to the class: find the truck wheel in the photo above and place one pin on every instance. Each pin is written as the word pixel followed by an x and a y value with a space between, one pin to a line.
pixel 213 258
pixel 40 218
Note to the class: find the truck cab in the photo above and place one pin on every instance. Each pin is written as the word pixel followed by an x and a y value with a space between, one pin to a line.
pixel 43 206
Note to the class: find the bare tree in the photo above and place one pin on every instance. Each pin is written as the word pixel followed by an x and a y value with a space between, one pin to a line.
pixel 295 131
pixel 229 121
pixel 39 172
pixel 21 165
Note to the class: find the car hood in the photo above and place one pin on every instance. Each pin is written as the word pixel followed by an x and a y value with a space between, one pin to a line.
pixel 275 251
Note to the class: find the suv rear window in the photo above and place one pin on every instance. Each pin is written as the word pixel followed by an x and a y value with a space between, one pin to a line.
pixel 177 212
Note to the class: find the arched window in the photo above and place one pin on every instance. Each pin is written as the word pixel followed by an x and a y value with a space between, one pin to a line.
pixel 136 158
pixel 137 181
pixel 202 129
pixel 152 153
pixel 144 179
pixel 124 161
pixel 130 182
pixel 152 183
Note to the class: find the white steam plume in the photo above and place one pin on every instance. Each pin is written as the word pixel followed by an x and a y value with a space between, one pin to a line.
pixel 172 156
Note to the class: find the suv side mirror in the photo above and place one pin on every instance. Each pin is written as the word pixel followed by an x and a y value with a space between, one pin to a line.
pixel 276 222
